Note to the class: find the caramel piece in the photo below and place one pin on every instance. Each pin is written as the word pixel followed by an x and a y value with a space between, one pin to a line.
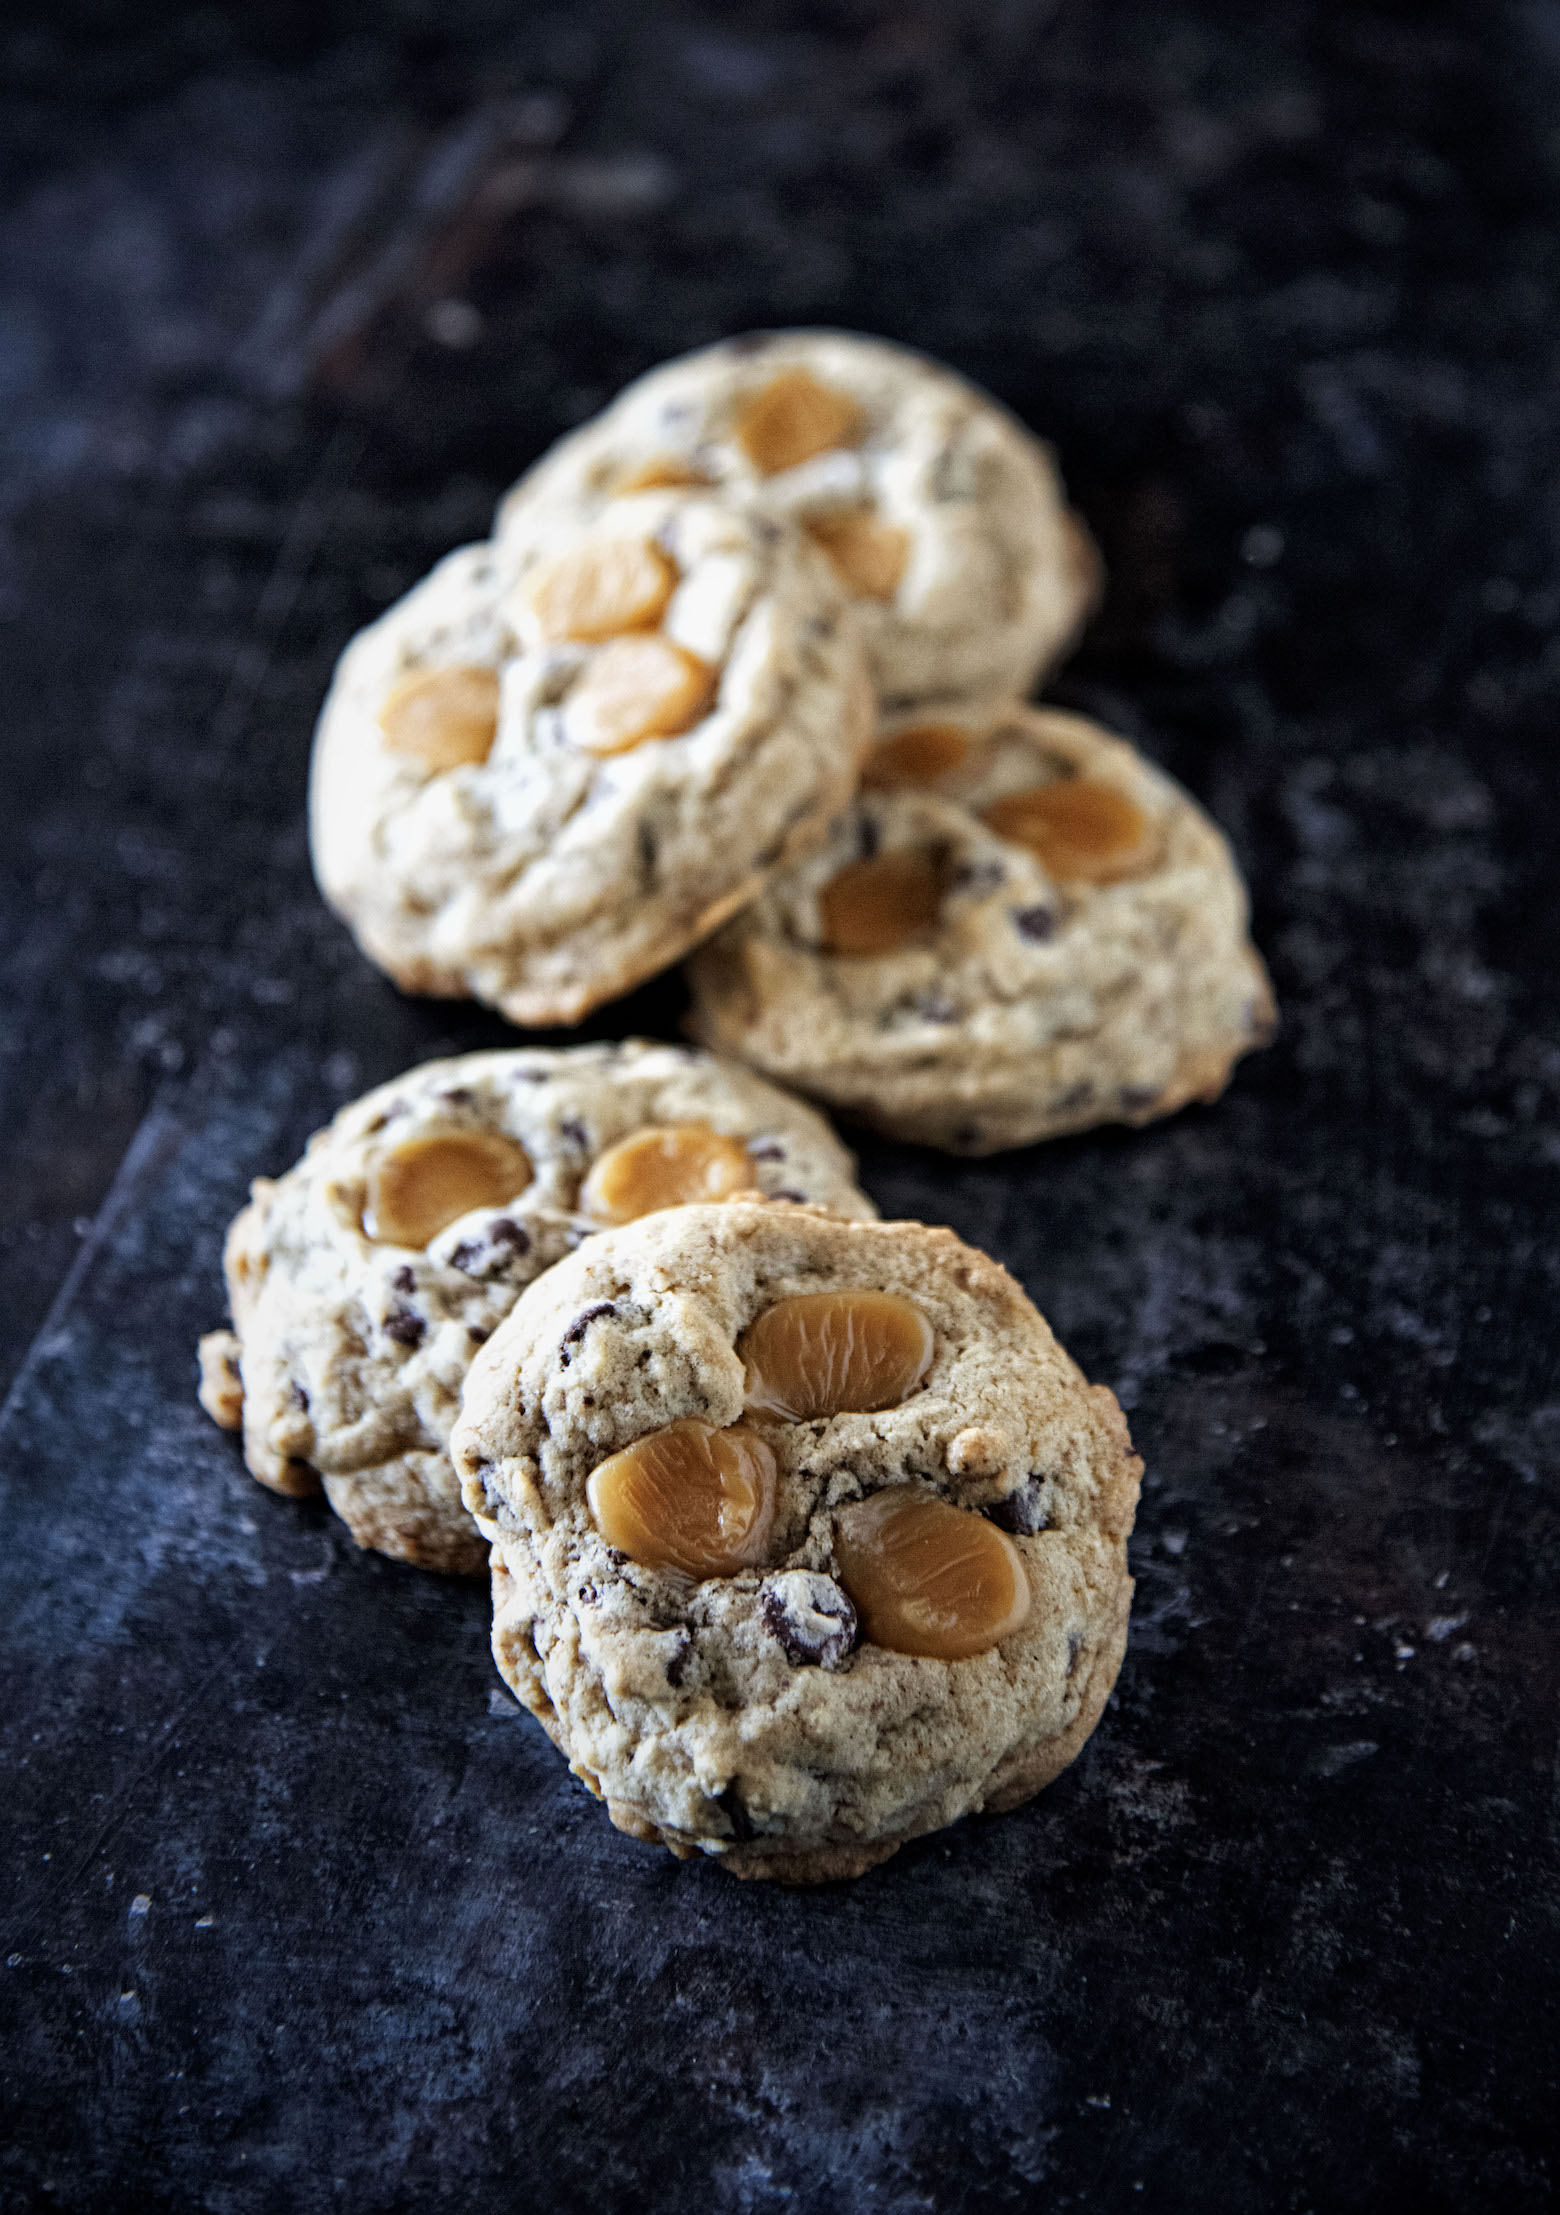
pixel 867 557
pixel 873 906
pixel 221 1391
pixel 794 418
pixel 634 689
pixel 665 1165
pixel 602 589
pixel 662 472
pixel 442 718
pixel 835 1353
pixel 918 756
pixel 1080 828
pixel 928 1578
pixel 689 1497
pixel 419 1187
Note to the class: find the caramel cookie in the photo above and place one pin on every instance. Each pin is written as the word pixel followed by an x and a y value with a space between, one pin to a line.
pixel 808 1537
pixel 942 516
pixel 1019 928
pixel 554 767
pixel 363 1281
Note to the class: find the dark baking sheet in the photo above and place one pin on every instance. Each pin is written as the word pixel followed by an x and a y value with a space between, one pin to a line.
pixel 299 1911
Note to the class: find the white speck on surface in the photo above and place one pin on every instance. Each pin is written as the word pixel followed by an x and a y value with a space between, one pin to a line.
pixel 454 323
pixel 1441 1627
pixel 141 1904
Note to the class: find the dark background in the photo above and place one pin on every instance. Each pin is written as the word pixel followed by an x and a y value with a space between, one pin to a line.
pixel 298 1912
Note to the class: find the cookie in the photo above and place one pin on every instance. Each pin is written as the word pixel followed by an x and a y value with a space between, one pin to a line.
pixel 944 518
pixel 808 1537
pixel 1019 928
pixel 551 769
pixel 363 1281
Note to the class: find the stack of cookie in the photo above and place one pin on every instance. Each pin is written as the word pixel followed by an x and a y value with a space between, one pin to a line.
pixel 805 1536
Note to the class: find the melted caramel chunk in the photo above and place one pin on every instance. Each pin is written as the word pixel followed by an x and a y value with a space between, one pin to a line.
pixel 794 418
pixel 835 1353
pixel 634 689
pixel 414 1191
pixel 442 718
pixel 662 472
pixel 918 756
pixel 665 1165
pixel 866 556
pixel 689 1497
pixel 602 589
pixel 873 906
pixel 1080 828
pixel 928 1578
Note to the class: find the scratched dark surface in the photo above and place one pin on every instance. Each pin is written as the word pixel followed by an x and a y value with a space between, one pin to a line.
pixel 297 1912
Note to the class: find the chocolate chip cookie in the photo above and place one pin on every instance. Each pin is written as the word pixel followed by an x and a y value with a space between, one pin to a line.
pixel 942 516
pixel 1019 928
pixel 808 1537
pixel 363 1281
pixel 556 765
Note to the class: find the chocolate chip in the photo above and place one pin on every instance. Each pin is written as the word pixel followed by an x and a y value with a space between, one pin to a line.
pixel 459 1096
pixel 1035 924
pixel 577 1329
pixel 734 1808
pixel 574 1132
pixel 405 1279
pixel 490 1255
pixel 1136 1097
pixel 933 1008
pixel 477 1335
pixel 1074 1649
pixel 588 1595
pixel 680 1659
pixel 766 1149
pixel 867 837
pixel 299 1396
pixel 1021 1512
pixel 647 851
pixel 810 1616
pixel 406 1328
pixel 977 877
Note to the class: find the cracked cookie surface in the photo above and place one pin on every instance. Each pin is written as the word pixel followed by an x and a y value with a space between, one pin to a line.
pixel 822 1697
pixel 362 1282
pixel 943 517
pixel 1018 928
pixel 553 767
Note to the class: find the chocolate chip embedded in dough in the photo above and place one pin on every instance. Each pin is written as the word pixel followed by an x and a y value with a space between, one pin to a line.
pixel 1037 924
pixel 1022 1511
pixel 494 1253
pixel 405 1327
pixel 811 1617
pixel 975 879
pixel 577 1329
